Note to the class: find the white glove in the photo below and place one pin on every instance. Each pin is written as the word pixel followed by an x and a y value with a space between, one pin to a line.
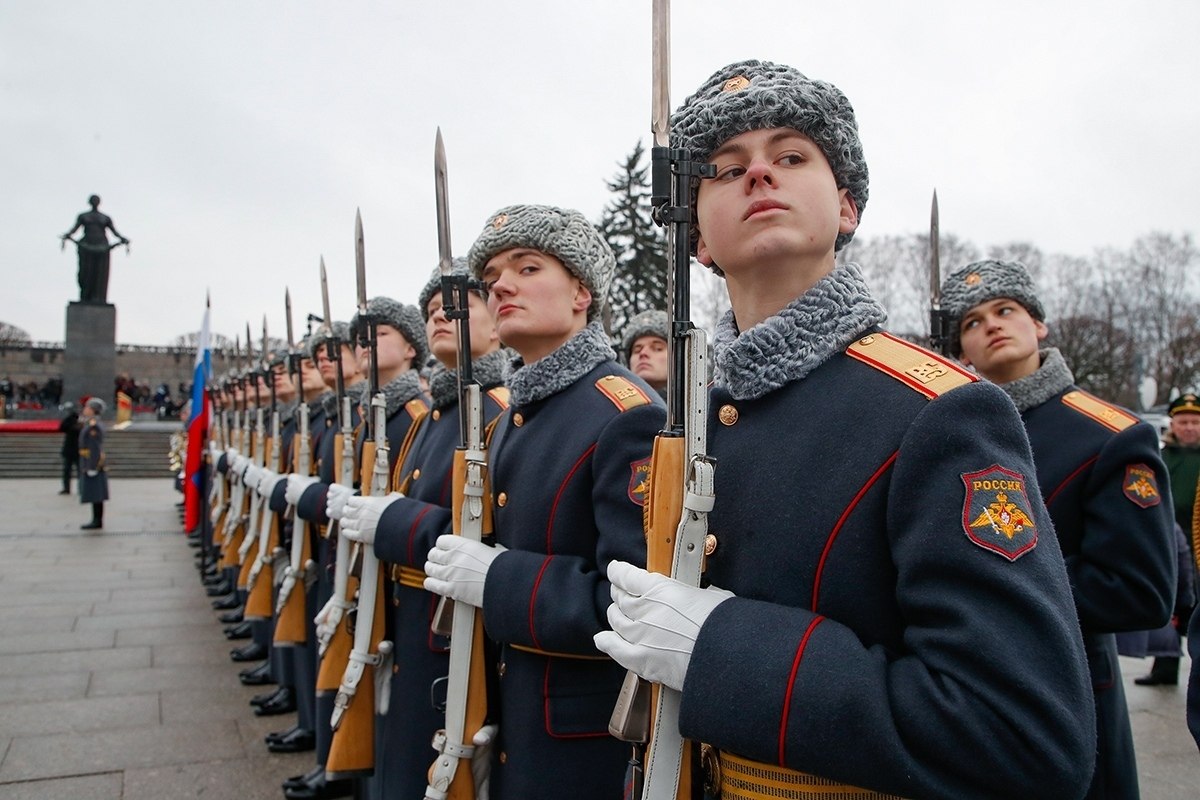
pixel 335 501
pixel 457 568
pixel 266 484
pixel 361 516
pixel 655 621
pixel 481 759
pixel 91 473
pixel 328 618
pixel 252 476
pixel 238 464
pixel 231 456
pixel 296 486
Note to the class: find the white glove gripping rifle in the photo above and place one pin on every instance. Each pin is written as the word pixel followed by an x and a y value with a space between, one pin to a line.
pixel 246 557
pixel 352 750
pixel 450 776
pixel 681 473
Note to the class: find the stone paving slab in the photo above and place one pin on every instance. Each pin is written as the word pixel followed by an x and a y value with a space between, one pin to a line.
pixel 28 688
pixel 59 624
pixel 53 642
pixel 239 780
pixel 8 613
pixel 86 714
pixel 66 754
pixel 104 786
pixel 142 620
pixel 74 661
pixel 158 679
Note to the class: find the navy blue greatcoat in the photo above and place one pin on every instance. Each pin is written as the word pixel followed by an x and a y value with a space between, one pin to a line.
pixel 567 490
pixel 92 488
pixel 421 657
pixel 1108 494
pixel 899 625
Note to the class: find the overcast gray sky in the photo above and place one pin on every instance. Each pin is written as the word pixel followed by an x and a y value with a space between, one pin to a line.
pixel 233 141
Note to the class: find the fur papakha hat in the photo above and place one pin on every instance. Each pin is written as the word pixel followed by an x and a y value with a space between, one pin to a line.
pixel 316 342
pixel 403 318
pixel 96 404
pixel 458 266
pixel 647 323
pixel 563 233
pixel 982 281
pixel 757 95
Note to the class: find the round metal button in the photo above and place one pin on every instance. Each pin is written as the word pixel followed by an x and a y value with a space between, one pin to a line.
pixel 502 499
pixel 710 544
pixel 728 415
pixel 518 420
pixel 437 414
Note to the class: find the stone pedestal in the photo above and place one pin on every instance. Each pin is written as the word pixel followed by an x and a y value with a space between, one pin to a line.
pixel 90 357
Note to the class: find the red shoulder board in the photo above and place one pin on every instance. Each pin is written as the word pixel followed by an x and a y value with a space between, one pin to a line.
pixel 1110 416
pixel 623 393
pixel 915 367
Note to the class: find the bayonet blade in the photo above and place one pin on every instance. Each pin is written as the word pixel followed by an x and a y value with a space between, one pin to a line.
pixel 660 112
pixel 442 198
pixel 935 267
pixel 328 323
pixel 266 359
pixel 660 101
pixel 360 263
pixel 249 347
pixel 287 306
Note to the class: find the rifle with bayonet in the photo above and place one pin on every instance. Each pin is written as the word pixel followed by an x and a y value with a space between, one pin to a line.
pixel 250 550
pixel 450 775
pixel 334 639
pixel 262 573
pixel 352 751
pixel 681 472
pixel 939 320
pixel 291 608
pixel 235 518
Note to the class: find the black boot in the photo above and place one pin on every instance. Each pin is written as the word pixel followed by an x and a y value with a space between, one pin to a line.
pixel 97 518
pixel 1165 672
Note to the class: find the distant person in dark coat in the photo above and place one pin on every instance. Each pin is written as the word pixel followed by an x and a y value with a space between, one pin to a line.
pixel 69 426
pixel 93 480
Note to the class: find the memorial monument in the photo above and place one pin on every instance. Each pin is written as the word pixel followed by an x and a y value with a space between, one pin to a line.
pixel 89 362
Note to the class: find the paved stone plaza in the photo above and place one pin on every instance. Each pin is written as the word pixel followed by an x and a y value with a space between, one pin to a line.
pixel 115 679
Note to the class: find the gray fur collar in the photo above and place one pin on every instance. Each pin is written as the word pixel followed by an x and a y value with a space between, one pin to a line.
pixel 1050 378
pixel 803 335
pixel 528 383
pixel 356 392
pixel 287 411
pixel 488 370
pixel 327 402
pixel 396 392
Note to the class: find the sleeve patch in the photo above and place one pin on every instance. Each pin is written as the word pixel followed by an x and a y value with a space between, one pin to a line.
pixel 996 512
pixel 639 481
pixel 1140 486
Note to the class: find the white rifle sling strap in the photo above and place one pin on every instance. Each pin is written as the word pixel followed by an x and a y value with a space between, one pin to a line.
pixel 368 585
pixel 266 556
pixel 341 562
pixel 666 744
pixel 450 741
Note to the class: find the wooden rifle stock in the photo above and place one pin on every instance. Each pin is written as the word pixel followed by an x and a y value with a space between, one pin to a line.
pixel 291 608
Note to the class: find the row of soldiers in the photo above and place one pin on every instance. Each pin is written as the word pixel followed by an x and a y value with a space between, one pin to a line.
pixel 901 598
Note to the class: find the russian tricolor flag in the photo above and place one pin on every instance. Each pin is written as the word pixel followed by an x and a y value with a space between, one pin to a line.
pixel 193 469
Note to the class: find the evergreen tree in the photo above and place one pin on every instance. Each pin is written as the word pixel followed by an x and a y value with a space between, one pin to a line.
pixel 640 282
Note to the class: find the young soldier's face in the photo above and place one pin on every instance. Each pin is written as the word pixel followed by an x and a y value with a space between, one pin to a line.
pixel 1185 426
pixel 394 352
pixel 443 336
pixel 536 302
pixel 648 360
pixel 1000 339
pixel 774 197
pixel 311 380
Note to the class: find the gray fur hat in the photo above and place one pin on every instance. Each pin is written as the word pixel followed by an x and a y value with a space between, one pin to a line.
pixel 279 357
pixel 563 233
pixel 458 266
pixel 647 323
pixel 982 281
pixel 341 331
pixel 755 95
pixel 96 404
pixel 403 318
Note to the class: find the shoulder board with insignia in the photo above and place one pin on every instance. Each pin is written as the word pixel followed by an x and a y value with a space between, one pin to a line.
pixel 1108 415
pixel 622 392
pixel 500 394
pixel 915 367
pixel 416 408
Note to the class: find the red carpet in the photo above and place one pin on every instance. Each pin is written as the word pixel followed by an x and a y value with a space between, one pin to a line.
pixel 28 426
